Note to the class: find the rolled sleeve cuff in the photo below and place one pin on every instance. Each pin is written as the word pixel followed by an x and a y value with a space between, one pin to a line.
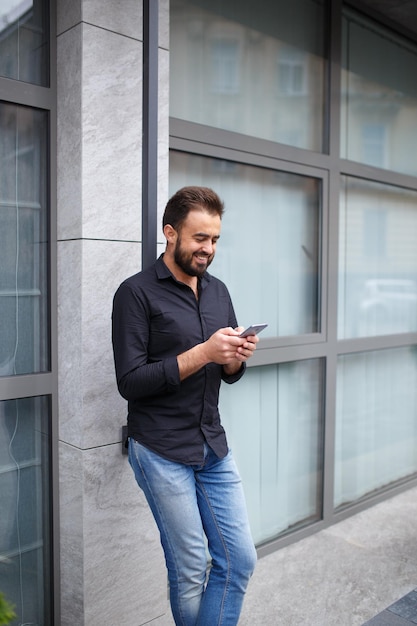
pixel 233 378
pixel 172 374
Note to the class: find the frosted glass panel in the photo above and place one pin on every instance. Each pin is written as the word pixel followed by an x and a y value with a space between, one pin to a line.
pixel 25 576
pixel 273 418
pixel 379 96
pixel 268 253
pixel 256 68
pixel 377 259
pixel 376 421
pixel 24 41
pixel 24 328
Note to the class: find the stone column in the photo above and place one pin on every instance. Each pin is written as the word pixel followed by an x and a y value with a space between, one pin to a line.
pixel 112 570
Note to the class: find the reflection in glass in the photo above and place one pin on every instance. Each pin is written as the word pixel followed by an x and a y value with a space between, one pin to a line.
pixel 25 576
pixel 377 259
pixel 376 435
pixel 379 96
pixel 268 253
pixel 253 68
pixel 24 41
pixel 274 423
pixel 24 344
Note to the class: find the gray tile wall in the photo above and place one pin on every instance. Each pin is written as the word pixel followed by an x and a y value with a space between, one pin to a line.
pixel 112 569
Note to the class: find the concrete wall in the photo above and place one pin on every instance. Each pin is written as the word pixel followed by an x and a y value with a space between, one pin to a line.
pixel 112 569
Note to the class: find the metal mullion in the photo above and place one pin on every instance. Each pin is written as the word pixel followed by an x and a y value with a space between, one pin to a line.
pixel 54 520
pixel 18 92
pixel 388 491
pixel 202 135
pixel 375 174
pixel 332 261
pixel 150 132
pixel 287 354
pixel 378 342
pixel 27 386
pixel 254 159
pixel 323 243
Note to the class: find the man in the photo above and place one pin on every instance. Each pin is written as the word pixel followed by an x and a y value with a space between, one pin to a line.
pixel 174 340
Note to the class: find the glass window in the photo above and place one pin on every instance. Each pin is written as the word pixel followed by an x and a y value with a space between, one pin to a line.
pixel 268 253
pixel 377 259
pixel 376 434
pixel 253 68
pixel 379 96
pixel 24 343
pixel 274 425
pixel 24 41
pixel 225 65
pixel 25 576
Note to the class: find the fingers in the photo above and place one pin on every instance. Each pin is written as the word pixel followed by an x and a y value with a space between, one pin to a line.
pixel 246 350
pixel 226 345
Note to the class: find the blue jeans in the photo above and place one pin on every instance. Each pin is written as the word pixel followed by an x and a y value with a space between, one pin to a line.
pixel 191 503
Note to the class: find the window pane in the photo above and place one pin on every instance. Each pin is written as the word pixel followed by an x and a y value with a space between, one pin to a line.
pixel 377 259
pixel 25 576
pixel 268 253
pixel 24 41
pixel 24 345
pixel 254 68
pixel 376 424
pixel 274 423
pixel 379 96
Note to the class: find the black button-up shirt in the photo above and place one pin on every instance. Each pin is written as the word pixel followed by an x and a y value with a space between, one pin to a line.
pixel 156 318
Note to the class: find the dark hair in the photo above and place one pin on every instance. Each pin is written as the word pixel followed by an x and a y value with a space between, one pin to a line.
pixel 187 199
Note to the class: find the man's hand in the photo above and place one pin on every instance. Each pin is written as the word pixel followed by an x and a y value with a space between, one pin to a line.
pixel 243 352
pixel 224 347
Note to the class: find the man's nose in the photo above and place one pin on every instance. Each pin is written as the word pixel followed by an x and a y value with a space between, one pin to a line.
pixel 208 247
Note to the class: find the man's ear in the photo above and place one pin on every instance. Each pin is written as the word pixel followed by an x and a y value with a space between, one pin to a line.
pixel 170 233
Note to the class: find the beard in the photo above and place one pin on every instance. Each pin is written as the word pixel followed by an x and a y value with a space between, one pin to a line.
pixel 189 262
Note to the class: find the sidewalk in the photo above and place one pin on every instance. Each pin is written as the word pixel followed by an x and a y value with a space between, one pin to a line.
pixel 344 575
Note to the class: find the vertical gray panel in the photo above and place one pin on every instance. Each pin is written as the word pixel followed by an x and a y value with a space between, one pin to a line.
pixel 150 131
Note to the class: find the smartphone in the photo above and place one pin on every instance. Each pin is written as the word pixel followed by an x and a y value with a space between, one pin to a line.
pixel 253 330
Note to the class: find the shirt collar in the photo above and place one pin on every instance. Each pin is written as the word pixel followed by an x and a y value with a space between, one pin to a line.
pixel 163 273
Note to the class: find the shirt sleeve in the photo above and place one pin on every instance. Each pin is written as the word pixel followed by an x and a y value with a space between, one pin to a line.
pixel 136 377
pixel 233 378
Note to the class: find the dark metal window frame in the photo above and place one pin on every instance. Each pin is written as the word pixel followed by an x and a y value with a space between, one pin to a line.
pixel 150 132
pixel 44 384
pixel 329 167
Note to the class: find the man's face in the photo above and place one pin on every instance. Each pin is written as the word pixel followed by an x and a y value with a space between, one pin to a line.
pixel 196 243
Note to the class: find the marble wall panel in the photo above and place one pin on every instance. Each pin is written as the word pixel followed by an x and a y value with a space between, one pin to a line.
pixel 124 570
pixel 71 535
pixel 99 134
pixel 112 568
pixel 119 16
pixel 112 135
pixel 164 24
pixel 68 14
pixel 69 134
pixel 70 358
pixel 105 266
pixel 89 272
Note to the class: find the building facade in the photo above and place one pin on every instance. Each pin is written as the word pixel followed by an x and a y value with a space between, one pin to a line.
pixel 302 115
